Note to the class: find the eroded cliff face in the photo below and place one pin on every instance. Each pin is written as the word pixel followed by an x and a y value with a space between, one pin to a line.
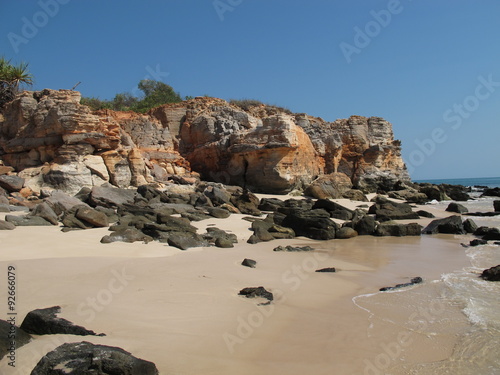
pixel 53 141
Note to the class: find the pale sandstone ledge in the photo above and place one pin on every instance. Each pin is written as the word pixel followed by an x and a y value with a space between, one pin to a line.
pixel 54 142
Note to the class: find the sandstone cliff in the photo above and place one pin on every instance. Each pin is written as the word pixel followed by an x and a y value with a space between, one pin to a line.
pixel 52 141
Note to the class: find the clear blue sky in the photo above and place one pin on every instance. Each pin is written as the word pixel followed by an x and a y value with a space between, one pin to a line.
pixel 429 67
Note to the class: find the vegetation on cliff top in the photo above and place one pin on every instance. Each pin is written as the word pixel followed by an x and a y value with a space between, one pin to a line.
pixel 156 93
pixel 12 77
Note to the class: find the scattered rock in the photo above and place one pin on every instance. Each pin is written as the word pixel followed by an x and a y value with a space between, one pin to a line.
pixel 477 242
pixel 365 225
pixel 335 210
pixel 315 224
pixel 456 207
pixel 127 235
pixel 328 269
pixel 270 204
pixel 496 206
pixel 415 280
pixel 355 195
pixel 11 183
pixel 46 322
pixel 423 213
pixel 469 226
pixel 45 211
pixel 329 186
pixel 345 233
pixel 26 220
pixel 450 225
pixel 186 240
pixel 492 192
pixel 491 274
pixel 398 230
pixel 386 210
pixel 93 217
pixel 293 248
pixel 87 358
pixel 223 242
pixel 249 263
pixel 256 292
pixel 219 213
pixel 5 225
pixel 409 195
pixel 111 197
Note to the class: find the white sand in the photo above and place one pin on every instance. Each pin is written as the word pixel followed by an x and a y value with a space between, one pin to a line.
pixel 181 309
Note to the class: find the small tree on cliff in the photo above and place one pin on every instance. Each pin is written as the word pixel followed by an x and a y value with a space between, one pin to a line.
pixel 156 93
pixel 12 77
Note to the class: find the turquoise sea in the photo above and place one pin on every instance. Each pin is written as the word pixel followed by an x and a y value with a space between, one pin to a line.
pixel 479 181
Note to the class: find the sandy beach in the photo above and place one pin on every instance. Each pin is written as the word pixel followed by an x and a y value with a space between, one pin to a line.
pixel 181 309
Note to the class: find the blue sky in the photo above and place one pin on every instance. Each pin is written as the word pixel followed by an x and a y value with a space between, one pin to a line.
pixel 430 68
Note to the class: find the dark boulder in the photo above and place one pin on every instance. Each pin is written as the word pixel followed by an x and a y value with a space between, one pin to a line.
pixel 217 195
pixel 293 248
pixel 364 225
pixel 491 274
pixel 249 263
pixel 86 358
pixel 84 194
pixel 328 269
pixel 111 197
pixel 213 234
pixel 415 280
pixel 315 224
pixel 409 195
pixel 61 202
pixel 43 210
pixel 493 234
pixel 423 213
pixel 26 221
pixel 433 192
pixel 477 242
pixel 92 217
pixel 496 206
pixel 256 292
pixel 270 204
pixel 355 195
pixel 386 210
pixel 185 240
pixel 127 235
pixel 246 202
pixel 195 215
pixel 219 213
pixel 11 183
pixel 335 210
pixel 46 322
pixel 223 242
pixel 398 230
pixel 450 225
pixel 10 333
pixel 492 192
pixel 456 192
pixel 456 207
pixel 149 192
pixel 469 226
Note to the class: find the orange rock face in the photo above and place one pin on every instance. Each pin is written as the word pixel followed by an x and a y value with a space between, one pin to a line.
pixel 62 144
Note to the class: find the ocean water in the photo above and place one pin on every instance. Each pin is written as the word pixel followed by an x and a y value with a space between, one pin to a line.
pixel 480 181
pixel 460 307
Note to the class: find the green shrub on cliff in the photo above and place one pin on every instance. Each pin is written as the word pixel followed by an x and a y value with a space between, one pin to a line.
pixel 247 104
pixel 156 93
pixel 12 77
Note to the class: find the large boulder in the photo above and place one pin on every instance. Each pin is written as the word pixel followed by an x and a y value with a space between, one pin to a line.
pixel 110 196
pixel 86 358
pixel 27 221
pixel 329 186
pixel 315 224
pixel 386 210
pixel 456 207
pixel 46 322
pixel 450 225
pixel 43 210
pixel 491 274
pixel 61 202
pixel 93 217
pixel 364 225
pixel 11 183
pixel 336 210
pixel 398 230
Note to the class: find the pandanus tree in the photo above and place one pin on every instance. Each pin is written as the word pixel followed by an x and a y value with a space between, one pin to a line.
pixel 12 78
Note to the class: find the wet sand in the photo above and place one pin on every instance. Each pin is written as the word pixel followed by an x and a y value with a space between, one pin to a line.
pixel 181 309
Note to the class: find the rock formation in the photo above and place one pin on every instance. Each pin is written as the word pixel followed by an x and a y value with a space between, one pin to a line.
pixel 54 142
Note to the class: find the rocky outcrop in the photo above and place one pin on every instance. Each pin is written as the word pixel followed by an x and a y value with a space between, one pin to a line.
pixel 52 141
